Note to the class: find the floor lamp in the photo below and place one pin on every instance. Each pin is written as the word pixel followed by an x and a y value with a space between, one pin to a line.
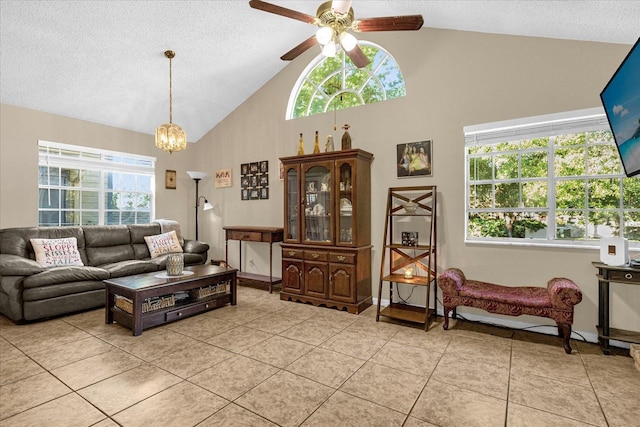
pixel 197 176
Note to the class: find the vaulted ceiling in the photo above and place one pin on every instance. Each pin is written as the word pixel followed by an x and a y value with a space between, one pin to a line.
pixel 103 61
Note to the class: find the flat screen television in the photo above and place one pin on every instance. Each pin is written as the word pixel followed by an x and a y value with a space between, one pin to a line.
pixel 621 101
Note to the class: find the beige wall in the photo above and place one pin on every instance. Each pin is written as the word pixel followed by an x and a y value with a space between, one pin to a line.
pixel 20 131
pixel 453 79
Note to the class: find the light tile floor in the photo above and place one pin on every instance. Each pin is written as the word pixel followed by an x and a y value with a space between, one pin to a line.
pixel 267 362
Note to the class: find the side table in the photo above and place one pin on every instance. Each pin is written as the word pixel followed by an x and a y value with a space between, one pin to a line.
pixel 608 274
pixel 245 233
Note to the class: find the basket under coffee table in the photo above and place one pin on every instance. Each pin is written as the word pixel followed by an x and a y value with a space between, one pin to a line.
pixel 146 300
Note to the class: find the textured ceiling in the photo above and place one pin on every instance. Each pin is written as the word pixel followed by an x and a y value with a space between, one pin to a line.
pixel 103 61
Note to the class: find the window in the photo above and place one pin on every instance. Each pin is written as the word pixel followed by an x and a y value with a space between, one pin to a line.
pixel 553 179
pixel 330 84
pixel 85 186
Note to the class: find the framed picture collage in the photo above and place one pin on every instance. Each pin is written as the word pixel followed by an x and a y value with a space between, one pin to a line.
pixel 254 180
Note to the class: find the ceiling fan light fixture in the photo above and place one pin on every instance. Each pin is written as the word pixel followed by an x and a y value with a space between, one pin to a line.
pixel 348 41
pixel 329 49
pixel 170 137
pixel 341 6
pixel 324 35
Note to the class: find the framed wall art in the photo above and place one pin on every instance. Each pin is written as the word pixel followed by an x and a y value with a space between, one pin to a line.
pixel 254 180
pixel 223 178
pixel 414 159
pixel 170 179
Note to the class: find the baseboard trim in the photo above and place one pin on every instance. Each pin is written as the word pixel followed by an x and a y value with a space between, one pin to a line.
pixel 516 324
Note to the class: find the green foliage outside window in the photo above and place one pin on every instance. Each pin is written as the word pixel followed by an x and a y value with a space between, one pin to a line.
pixel 332 84
pixel 509 189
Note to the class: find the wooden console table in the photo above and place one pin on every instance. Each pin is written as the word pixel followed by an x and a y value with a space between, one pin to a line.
pixel 254 234
pixel 613 274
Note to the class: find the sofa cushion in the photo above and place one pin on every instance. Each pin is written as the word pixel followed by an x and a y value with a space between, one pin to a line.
pixel 56 252
pixel 130 267
pixel 60 289
pixel 107 244
pixel 14 265
pixel 55 275
pixel 162 244
pixel 522 295
pixel 16 241
pixel 138 232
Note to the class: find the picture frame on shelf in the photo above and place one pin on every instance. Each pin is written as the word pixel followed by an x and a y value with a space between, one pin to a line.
pixel 414 159
pixel 264 166
pixel 244 168
pixel 409 238
pixel 244 195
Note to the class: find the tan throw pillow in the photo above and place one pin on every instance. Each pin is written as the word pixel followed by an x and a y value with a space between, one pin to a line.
pixel 162 244
pixel 56 252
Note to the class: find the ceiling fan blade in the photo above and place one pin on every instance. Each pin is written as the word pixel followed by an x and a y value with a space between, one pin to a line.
pixel 389 23
pixel 358 57
pixel 283 11
pixel 301 48
pixel 341 6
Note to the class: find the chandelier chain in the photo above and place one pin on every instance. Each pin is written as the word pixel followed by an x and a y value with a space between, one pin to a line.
pixel 170 91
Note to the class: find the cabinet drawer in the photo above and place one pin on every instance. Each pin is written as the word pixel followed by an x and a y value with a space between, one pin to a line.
pixel 624 276
pixel 316 255
pixel 342 258
pixel 191 310
pixel 292 253
pixel 251 236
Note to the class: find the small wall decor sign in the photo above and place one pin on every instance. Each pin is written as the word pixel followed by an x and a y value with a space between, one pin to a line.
pixel 414 159
pixel 170 179
pixel 223 178
pixel 254 180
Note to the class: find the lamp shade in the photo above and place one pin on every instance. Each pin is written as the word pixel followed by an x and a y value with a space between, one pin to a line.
pixel 324 35
pixel 207 205
pixel 196 174
pixel 348 41
pixel 329 50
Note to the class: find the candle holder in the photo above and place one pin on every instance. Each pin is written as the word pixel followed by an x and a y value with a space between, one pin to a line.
pixel 175 264
pixel 408 272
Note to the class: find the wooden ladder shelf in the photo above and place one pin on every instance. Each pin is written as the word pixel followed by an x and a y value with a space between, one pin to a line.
pixel 409 257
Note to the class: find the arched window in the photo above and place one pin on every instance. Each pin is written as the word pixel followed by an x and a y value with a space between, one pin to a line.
pixel 329 84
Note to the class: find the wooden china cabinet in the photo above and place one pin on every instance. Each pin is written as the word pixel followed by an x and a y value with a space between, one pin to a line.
pixel 326 252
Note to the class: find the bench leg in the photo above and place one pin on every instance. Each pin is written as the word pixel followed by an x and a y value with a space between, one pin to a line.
pixel 564 331
pixel 447 310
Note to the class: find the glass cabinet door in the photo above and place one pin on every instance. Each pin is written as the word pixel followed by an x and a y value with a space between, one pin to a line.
pixel 318 224
pixel 345 203
pixel 292 203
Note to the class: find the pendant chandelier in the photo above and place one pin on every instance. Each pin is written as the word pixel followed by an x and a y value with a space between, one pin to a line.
pixel 170 137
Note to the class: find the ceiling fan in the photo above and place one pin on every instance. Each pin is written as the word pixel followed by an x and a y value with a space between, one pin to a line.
pixel 334 19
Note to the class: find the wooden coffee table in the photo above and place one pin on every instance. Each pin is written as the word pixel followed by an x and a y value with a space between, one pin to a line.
pixel 208 287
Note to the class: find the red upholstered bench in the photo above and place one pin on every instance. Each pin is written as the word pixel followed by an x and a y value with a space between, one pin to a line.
pixel 556 301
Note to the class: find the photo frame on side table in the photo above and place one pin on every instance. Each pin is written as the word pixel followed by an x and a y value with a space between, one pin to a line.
pixel 414 159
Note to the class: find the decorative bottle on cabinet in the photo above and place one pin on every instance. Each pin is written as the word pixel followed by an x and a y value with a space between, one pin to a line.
pixel 300 146
pixel 326 253
pixel 316 145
